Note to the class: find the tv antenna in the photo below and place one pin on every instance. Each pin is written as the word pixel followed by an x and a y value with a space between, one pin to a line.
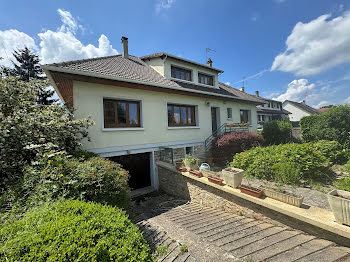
pixel 207 50
pixel 244 78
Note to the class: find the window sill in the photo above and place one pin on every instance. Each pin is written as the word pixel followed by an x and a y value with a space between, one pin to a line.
pixel 183 127
pixel 123 129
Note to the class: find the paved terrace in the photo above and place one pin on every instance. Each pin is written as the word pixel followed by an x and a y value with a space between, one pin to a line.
pixel 214 235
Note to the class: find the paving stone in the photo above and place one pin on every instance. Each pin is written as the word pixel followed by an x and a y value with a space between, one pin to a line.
pixel 215 229
pixel 263 243
pixel 190 220
pixel 182 257
pixel 172 255
pixel 280 247
pixel 242 239
pixel 327 255
pixel 209 222
pixel 301 251
pixel 236 232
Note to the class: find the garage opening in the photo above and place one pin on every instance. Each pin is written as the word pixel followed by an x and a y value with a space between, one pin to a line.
pixel 139 169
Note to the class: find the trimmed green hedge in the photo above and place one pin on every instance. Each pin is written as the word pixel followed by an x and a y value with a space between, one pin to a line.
pixel 277 132
pixel 73 231
pixel 331 125
pixel 290 163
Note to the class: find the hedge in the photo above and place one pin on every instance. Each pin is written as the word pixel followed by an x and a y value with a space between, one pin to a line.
pixel 73 230
pixel 277 132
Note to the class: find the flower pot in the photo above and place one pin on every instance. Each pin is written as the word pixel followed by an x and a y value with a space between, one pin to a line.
pixel 252 191
pixel 232 176
pixel 216 180
pixel 178 164
pixel 182 169
pixel 207 173
pixel 197 173
pixel 284 197
pixel 339 201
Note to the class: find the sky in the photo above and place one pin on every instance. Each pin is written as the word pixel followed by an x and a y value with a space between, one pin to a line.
pixel 287 49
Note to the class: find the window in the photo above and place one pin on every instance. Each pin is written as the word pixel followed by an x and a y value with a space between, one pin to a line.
pixel 244 116
pixel 121 113
pixel 189 150
pixel 229 113
pixel 181 115
pixel 181 73
pixel 205 79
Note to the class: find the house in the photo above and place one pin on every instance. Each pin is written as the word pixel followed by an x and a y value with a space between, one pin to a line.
pixel 298 110
pixel 270 110
pixel 148 108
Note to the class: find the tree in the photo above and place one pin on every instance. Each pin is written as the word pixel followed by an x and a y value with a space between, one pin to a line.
pixel 27 68
pixel 28 130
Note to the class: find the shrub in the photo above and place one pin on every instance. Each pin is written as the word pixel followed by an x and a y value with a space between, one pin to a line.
pixel 343 184
pixel 83 155
pixel 226 146
pixel 332 150
pixel 347 167
pixel 290 163
pixel 331 125
pixel 73 231
pixel 28 129
pixel 277 132
pixel 96 179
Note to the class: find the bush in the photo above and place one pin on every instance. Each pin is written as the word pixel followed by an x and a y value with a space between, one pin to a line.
pixel 73 231
pixel 290 163
pixel 332 150
pixel 96 179
pixel 83 155
pixel 28 129
pixel 331 125
pixel 226 146
pixel 347 167
pixel 343 184
pixel 277 132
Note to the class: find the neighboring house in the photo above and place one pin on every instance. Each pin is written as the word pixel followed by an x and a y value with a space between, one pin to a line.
pixel 149 107
pixel 298 110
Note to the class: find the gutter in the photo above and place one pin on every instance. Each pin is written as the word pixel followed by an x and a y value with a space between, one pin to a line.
pixel 48 68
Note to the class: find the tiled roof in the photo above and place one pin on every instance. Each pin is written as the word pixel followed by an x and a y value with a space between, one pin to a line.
pixel 239 93
pixel 304 107
pixel 162 54
pixel 271 111
pixel 132 68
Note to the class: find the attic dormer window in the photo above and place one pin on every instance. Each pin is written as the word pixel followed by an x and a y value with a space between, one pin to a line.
pixel 181 73
pixel 205 79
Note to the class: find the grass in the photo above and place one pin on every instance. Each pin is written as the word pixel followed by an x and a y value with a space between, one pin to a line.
pixel 183 249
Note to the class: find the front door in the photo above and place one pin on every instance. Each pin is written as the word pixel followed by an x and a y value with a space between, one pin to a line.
pixel 214 122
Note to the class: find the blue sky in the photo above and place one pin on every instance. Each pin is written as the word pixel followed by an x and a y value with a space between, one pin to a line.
pixel 287 49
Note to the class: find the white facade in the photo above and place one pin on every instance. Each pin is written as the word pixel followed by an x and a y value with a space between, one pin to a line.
pixel 296 112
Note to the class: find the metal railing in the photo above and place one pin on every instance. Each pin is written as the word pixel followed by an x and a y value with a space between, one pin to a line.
pixel 223 129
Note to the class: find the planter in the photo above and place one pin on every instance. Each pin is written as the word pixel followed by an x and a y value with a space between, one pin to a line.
pixel 284 197
pixel 216 180
pixel 191 165
pixel 178 164
pixel 197 173
pixel 238 125
pixel 339 201
pixel 207 173
pixel 233 176
pixel 182 169
pixel 252 191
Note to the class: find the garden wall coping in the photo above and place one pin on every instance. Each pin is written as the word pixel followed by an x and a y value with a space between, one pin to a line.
pixel 318 217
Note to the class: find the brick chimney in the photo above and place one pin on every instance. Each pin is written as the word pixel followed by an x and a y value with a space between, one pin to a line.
pixel 242 89
pixel 125 51
pixel 257 93
pixel 210 62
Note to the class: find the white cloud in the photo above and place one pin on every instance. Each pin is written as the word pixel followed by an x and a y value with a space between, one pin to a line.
pixel 228 83
pixel 321 104
pixel 347 100
pixel 164 4
pixel 11 40
pixel 259 74
pixel 280 1
pixel 55 46
pixel 316 46
pixel 298 90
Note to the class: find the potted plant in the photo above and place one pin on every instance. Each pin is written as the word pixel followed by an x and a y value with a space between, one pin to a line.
pixel 178 164
pixel 197 173
pixel 339 200
pixel 232 176
pixel 283 196
pixel 216 179
pixel 191 162
pixel 252 191
pixel 208 173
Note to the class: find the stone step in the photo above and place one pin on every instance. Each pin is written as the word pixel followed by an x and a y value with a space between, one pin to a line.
pixel 327 255
pixel 183 214
pixel 235 232
pixel 263 243
pixel 182 257
pixel 199 217
pixel 301 251
pixel 172 255
pixel 243 239
pixel 171 246
pixel 279 247
pixel 215 229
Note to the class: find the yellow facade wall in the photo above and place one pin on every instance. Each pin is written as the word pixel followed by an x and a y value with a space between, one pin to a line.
pixel 88 101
